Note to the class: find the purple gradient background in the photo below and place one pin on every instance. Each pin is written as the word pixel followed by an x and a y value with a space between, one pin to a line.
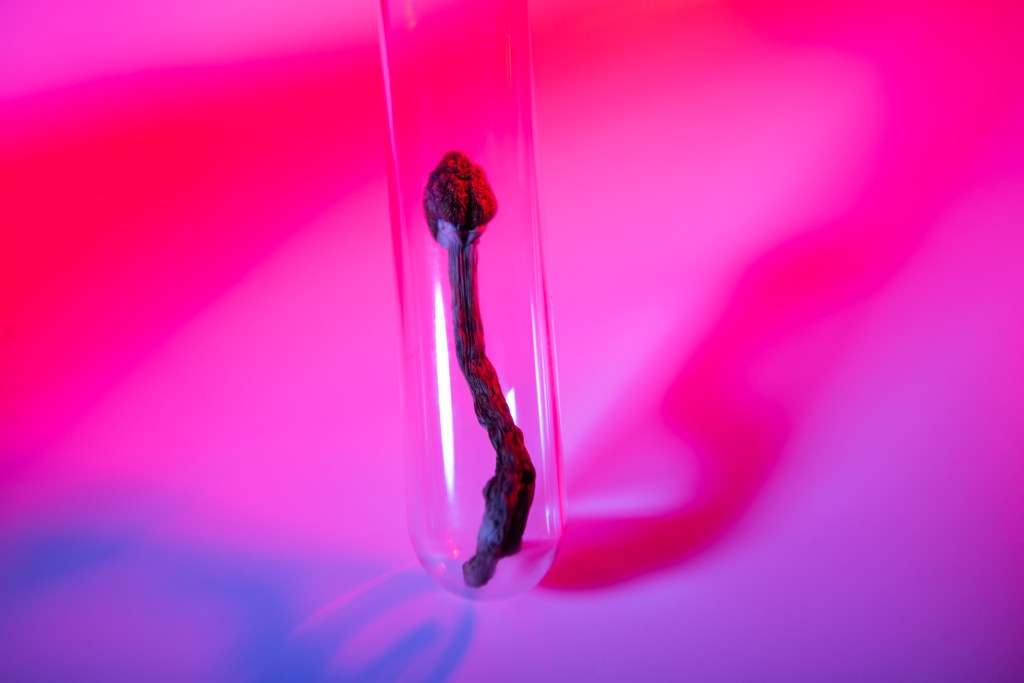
pixel 784 245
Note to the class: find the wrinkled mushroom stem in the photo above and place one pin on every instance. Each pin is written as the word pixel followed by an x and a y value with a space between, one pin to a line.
pixel 509 493
pixel 458 203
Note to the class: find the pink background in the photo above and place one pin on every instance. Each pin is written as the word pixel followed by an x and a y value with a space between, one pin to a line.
pixel 783 243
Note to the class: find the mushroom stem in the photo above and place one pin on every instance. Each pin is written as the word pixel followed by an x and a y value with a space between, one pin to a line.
pixel 509 493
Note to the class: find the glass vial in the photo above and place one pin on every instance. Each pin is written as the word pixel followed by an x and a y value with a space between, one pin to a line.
pixel 458 79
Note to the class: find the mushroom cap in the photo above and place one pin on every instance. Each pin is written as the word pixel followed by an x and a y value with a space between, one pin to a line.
pixel 458 192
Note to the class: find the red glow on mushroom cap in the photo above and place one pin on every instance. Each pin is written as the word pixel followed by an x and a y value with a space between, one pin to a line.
pixel 458 192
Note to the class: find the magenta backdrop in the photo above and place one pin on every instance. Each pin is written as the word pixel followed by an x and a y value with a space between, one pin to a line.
pixel 784 245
